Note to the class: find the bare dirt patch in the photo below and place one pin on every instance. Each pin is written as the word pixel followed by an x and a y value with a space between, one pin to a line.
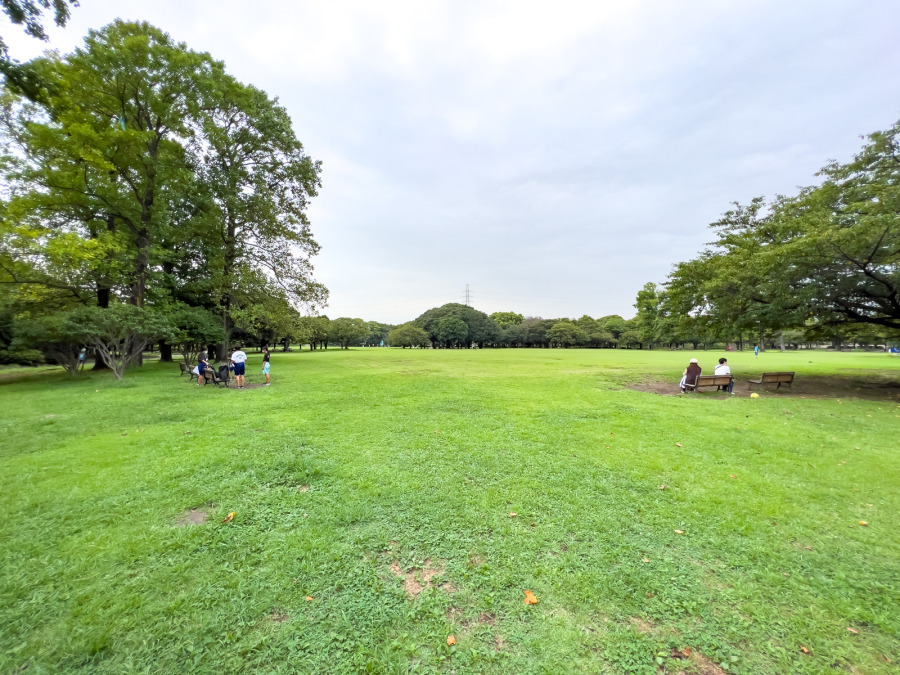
pixel 417 579
pixel 192 517
pixel 705 666
pixel 876 386
pixel 499 643
pixel 641 625
pixel 277 616
pixel 303 488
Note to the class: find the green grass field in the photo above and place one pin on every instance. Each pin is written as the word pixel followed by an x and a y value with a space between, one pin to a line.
pixel 373 490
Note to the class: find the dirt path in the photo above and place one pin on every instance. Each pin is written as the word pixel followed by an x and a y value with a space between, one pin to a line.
pixel 875 388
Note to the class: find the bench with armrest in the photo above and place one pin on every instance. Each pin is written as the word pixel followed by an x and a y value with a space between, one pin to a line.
pixel 709 381
pixel 188 370
pixel 774 378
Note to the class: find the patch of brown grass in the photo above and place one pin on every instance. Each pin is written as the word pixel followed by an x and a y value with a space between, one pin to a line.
pixel 192 517
pixel 642 625
pixel 417 580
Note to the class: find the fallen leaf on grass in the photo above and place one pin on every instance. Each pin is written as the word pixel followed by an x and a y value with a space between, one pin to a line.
pixel 530 599
pixel 612 433
pixel 679 445
pixel 732 475
pixel 853 630
pixel 229 517
pixel 683 654
pixel 805 650
pixel 679 531
pixel 309 598
pixel 863 523
pixel 662 487
pixel 646 559
pixel 513 514
pixel 451 640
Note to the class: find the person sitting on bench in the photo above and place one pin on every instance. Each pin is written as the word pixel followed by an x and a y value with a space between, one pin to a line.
pixel 723 369
pixel 690 375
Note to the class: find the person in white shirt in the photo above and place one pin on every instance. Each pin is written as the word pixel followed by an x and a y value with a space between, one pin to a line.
pixel 239 358
pixel 723 369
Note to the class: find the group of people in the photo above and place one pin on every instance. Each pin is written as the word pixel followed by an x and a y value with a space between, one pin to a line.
pixel 237 366
pixel 693 371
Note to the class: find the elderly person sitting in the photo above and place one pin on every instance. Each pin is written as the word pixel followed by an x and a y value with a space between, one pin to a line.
pixel 690 375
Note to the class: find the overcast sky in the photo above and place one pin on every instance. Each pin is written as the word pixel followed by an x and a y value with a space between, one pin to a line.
pixel 554 156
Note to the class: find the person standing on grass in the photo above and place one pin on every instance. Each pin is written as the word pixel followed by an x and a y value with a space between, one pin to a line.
pixel 724 369
pixel 238 359
pixel 756 351
pixel 266 365
pixel 202 365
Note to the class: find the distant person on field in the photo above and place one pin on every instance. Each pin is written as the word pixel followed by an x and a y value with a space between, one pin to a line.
pixel 690 375
pixel 202 365
pixel 724 369
pixel 266 365
pixel 239 358
pixel 756 351
pixel 81 358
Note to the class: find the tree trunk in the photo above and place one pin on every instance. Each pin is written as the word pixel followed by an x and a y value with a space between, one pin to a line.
pixel 165 351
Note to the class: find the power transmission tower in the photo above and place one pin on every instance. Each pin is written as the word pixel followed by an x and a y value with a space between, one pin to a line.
pixel 468 297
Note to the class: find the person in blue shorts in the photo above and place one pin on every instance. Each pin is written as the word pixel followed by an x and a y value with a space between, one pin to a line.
pixel 238 359
pixel 266 365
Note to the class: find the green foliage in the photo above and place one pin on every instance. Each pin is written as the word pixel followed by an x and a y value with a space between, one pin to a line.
pixel 507 319
pixel 480 328
pixel 144 171
pixel 120 332
pixel 408 335
pixel 825 259
pixel 345 331
pixel 566 334
pixel 55 335
pixel 194 329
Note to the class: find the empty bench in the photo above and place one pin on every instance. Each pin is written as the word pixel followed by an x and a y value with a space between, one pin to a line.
pixel 709 381
pixel 774 378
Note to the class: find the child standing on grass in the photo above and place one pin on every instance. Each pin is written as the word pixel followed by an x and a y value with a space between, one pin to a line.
pixel 239 358
pixel 266 365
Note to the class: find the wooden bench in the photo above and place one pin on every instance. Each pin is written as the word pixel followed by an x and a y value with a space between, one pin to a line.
pixel 187 370
pixel 774 378
pixel 709 381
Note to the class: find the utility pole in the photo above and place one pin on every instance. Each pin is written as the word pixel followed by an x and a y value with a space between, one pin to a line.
pixel 468 301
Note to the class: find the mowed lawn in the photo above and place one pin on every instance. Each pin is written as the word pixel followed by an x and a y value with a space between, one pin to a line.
pixel 373 492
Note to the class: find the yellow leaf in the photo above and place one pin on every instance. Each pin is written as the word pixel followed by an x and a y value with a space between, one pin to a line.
pixel 863 523
pixel 530 599
pixel 309 598
pixel 229 517
pixel 804 650
pixel 646 559
pixel 854 631
pixel 451 640
pixel 513 514
pixel 679 531
pixel 679 445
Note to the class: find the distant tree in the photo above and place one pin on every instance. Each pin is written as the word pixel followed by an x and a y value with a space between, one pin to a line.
pixel 345 331
pixel 507 319
pixel 451 331
pixel 408 335
pixel 480 328
pixel 566 334
pixel 378 333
